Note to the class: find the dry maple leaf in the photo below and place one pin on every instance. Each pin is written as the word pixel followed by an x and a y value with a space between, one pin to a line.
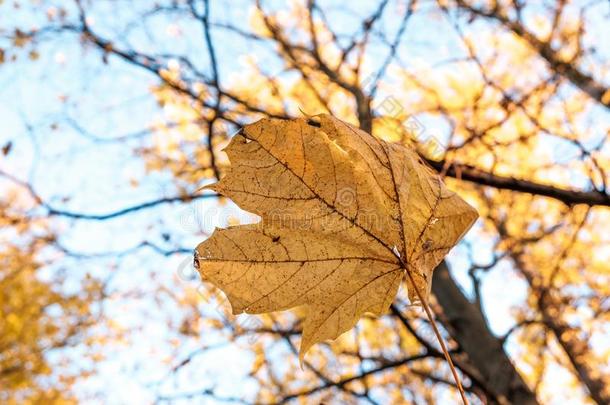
pixel 344 216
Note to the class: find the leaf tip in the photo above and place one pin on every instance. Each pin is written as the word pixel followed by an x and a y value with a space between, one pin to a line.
pixel 216 187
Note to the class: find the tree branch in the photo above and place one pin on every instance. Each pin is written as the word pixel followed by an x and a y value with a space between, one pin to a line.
pixel 475 175
pixel 584 82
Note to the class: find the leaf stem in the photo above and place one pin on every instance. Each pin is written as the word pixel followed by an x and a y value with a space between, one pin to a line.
pixel 438 337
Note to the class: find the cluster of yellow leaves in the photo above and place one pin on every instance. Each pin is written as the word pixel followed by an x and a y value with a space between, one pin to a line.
pixel 177 137
pixel 36 316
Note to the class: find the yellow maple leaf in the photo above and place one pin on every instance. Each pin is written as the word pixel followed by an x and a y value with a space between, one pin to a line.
pixel 344 216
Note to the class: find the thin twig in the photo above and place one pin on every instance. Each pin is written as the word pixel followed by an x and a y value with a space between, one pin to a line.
pixel 439 337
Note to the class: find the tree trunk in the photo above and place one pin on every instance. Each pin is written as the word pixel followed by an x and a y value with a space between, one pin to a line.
pixel 484 350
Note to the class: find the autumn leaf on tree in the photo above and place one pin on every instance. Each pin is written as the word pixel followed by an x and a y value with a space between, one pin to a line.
pixel 345 217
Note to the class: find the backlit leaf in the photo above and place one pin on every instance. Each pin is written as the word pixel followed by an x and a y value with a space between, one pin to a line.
pixel 344 215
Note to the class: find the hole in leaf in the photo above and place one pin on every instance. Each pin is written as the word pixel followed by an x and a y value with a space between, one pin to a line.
pixel 314 123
